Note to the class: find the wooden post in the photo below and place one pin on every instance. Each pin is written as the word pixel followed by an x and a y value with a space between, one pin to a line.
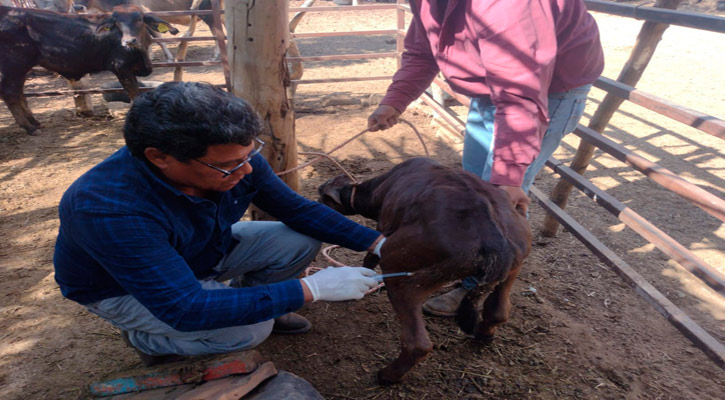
pixel 222 43
pixel 297 68
pixel 644 48
pixel 399 39
pixel 258 33
pixel 183 47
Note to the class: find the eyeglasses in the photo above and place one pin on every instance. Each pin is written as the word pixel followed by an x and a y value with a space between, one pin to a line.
pixel 257 150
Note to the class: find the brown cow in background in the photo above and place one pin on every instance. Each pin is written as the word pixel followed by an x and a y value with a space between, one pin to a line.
pixel 442 224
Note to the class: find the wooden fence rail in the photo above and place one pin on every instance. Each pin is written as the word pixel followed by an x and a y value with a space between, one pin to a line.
pixel 687 116
pixel 661 15
pixel 707 201
pixel 644 228
pixel 353 33
pixel 678 318
pixel 344 57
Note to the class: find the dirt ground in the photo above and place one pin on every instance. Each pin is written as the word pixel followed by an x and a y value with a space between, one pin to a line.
pixel 576 331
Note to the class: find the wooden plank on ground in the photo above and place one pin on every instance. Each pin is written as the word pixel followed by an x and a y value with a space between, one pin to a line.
pixel 180 373
pixel 167 393
pixel 231 388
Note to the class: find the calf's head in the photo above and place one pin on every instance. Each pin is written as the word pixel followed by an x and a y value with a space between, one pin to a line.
pixel 336 193
pixel 126 31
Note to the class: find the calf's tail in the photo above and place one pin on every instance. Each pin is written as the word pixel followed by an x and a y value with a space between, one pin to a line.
pixel 493 263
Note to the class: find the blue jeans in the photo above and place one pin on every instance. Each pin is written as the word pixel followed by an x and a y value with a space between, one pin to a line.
pixel 565 110
pixel 267 252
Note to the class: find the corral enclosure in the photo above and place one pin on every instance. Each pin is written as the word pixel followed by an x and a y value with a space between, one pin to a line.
pixel 577 331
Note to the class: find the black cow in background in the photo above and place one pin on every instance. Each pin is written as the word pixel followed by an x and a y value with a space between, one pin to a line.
pixel 95 6
pixel 72 46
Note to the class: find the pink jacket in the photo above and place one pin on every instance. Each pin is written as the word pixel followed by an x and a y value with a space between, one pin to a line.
pixel 516 51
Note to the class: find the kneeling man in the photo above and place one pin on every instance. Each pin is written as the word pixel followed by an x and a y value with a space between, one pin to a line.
pixel 149 236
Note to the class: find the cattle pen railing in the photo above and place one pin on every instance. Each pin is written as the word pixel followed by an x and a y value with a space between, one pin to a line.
pixel 399 33
pixel 220 39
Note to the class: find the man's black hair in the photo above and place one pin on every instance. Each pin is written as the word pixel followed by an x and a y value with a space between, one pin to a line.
pixel 182 119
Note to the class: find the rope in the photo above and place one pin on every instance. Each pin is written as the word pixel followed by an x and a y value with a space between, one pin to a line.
pixel 320 156
pixel 425 148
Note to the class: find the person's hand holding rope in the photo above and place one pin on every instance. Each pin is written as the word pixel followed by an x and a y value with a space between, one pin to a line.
pixel 383 118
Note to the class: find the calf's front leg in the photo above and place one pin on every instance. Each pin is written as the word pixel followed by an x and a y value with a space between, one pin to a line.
pixel 130 83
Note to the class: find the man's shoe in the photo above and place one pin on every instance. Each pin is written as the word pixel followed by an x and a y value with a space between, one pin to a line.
pixel 291 324
pixel 445 305
pixel 148 360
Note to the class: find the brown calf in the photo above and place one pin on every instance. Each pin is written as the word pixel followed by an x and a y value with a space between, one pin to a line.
pixel 444 224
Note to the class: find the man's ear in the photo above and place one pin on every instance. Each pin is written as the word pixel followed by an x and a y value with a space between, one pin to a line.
pixel 158 158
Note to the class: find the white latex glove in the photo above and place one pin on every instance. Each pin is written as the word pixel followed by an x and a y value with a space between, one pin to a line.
pixel 340 283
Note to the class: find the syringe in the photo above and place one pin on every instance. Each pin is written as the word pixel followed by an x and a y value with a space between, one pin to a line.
pixel 393 275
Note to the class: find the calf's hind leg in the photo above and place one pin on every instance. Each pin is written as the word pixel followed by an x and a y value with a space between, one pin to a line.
pixel 496 308
pixel 406 300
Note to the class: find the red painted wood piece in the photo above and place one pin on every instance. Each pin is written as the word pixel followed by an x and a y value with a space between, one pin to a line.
pixel 231 388
pixel 237 363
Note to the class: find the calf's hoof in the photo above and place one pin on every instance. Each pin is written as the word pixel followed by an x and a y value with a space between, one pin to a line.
pixel 483 340
pixel 34 131
pixel 387 376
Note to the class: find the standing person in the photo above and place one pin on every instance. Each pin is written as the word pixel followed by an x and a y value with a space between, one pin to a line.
pixel 148 236
pixel 527 65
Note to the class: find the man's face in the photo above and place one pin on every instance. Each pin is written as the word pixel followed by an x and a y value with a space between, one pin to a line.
pixel 198 176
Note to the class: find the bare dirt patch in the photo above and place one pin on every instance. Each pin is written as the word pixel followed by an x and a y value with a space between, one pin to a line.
pixel 577 331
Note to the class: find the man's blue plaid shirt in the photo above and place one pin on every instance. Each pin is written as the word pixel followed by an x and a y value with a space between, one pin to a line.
pixel 123 230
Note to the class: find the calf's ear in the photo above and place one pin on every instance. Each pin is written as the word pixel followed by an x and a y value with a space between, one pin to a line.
pixel 159 25
pixel 330 190
pixel 330 194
